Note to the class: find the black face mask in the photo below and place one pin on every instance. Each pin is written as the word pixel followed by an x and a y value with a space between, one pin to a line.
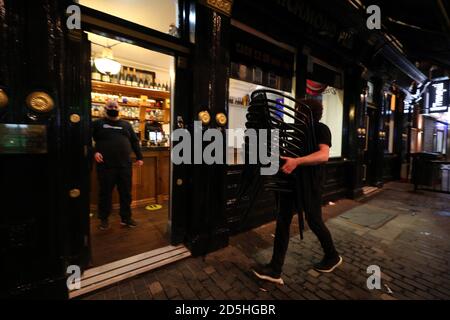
pixel 112 113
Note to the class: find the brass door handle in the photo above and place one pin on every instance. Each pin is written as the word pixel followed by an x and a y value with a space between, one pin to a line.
pixel 221 119
pixel 204 117
pixel 40 102
pixel 3 99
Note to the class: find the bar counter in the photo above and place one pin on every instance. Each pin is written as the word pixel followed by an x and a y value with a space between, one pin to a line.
pixel 150 182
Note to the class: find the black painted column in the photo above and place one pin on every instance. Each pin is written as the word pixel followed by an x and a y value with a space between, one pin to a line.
pixel 378 140
pixel 208 230
pixel 354 113
pixel 31 183
pixel 399 142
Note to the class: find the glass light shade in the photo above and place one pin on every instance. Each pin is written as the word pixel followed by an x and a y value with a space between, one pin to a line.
pixel 106 64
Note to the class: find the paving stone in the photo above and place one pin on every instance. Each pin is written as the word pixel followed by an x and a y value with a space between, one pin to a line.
pixel 209 270
pixel 413 265
pixel 313 273
pixel 155 288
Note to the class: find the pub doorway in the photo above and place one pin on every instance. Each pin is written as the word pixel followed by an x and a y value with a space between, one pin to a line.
pixel 139 81
pixel 142 82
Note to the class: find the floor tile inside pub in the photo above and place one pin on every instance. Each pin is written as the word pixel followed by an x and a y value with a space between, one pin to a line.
pixel 120 242
pixel 412 251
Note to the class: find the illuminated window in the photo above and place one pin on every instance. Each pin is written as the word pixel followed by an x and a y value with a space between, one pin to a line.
pixel 333 107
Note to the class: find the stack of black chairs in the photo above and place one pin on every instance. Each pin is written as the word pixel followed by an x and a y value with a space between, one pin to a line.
pixel 269 109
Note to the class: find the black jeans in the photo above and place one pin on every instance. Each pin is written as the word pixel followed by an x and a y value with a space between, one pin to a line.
pixel 108 178
pixel 313 214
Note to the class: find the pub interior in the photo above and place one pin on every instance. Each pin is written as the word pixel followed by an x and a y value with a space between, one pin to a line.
pixel 140 81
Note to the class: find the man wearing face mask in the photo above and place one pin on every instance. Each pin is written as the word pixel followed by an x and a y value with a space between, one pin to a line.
pixel 115 139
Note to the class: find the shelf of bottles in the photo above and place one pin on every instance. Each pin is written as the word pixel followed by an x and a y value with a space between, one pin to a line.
pixel 132 77
pixel 140 97
pixel 127 102
pixel 130 108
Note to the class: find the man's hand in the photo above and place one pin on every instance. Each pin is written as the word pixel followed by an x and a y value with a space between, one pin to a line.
pixel 139 163
pixel 289 165
pixel 98 157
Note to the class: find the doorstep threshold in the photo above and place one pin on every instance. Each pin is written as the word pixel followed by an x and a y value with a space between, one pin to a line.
pixel 108 274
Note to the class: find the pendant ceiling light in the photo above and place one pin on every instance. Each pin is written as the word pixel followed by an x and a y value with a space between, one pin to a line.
pixel 106 63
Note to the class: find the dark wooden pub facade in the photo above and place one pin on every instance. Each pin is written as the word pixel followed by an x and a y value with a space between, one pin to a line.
pixel 44 220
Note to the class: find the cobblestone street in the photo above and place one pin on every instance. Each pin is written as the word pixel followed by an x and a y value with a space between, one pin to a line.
pixel 412 250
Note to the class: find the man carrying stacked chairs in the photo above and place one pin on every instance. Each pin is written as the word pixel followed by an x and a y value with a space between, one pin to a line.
pixel 304 145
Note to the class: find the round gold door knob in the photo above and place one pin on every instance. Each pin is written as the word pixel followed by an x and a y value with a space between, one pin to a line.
pixel 75 118
pixel 179 182
pixel 3 99
pixel 74 193
pixel 221 119
pixel 204 117
pixel 40 102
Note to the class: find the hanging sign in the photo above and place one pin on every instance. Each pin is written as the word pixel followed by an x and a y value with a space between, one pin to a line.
pixel 438 96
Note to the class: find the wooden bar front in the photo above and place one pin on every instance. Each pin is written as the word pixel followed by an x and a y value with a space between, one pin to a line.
pixel 150 183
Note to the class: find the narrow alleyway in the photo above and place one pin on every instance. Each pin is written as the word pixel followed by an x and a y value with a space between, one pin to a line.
pixel 412 251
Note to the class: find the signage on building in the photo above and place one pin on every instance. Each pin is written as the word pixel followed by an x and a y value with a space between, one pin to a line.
pixel 222 6
pixel 258 61
pixel 438 96
pixel 318 21
pixel 251 50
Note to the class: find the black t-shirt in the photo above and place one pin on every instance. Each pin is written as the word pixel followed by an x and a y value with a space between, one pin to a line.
pixel 308 179
pixel 115 140
pixel 323 134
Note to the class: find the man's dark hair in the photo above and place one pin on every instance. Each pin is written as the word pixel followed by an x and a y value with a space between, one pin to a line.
pixel 316 108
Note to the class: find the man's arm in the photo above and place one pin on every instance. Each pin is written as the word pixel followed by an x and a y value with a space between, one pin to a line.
pixel 315 158
pixel 97 155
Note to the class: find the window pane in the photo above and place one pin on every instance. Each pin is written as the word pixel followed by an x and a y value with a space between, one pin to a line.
pixel 238 100
pixel 161 15
pixel 333 106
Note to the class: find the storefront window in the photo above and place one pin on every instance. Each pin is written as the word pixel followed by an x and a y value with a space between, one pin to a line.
pixel 161 15
pixel 240 92
pixel 333 106
pixel 435 135
pixel 257 63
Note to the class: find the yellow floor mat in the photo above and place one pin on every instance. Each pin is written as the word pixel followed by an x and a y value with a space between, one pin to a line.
pixel 153 207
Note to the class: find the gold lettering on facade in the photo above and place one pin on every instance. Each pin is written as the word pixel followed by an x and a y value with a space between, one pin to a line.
pixel 223 6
